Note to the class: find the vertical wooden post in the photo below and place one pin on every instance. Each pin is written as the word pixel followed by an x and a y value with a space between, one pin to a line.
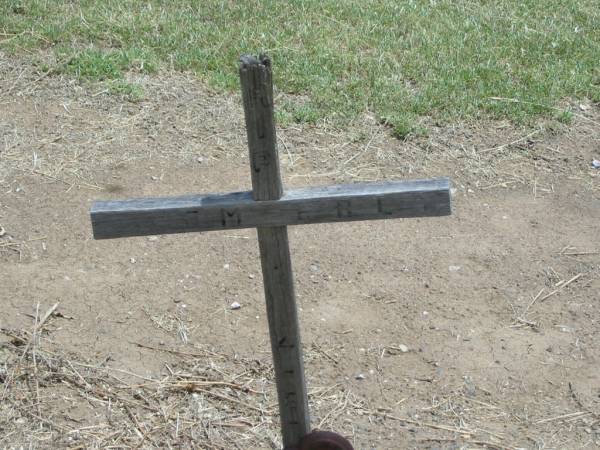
pixel 257 91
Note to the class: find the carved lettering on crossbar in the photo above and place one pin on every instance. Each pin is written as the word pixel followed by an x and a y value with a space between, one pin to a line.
pixel 231 217
pixel 344 209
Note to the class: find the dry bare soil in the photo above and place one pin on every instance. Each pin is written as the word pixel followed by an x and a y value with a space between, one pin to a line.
pixel 478 330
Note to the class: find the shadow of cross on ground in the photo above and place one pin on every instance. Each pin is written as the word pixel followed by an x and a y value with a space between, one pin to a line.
pixel 271 210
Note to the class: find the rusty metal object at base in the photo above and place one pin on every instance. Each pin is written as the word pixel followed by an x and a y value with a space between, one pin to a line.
pixel 323 440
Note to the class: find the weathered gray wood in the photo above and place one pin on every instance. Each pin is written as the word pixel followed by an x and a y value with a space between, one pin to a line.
pixel 340 203
pixel 270 210
pixel 284 330
pixel 257 93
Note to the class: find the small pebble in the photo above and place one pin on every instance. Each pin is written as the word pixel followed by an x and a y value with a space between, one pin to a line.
pixel 360 376
pixel 153 238
pixel 226 266
pixel 453 268
pixel 403 348
pixel 200 159
pixel 132 260
pixel 235 305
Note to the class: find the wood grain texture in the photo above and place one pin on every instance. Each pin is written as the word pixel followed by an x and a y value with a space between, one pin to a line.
pixel 284 329
pixel 271 210
pixel 338 203
pixel 257 94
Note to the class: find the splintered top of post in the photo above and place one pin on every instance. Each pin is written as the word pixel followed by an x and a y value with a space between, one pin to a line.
pixel 250 60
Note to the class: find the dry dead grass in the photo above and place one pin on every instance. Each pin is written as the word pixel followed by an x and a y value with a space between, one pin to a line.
pixel 215 400
pixel 207 399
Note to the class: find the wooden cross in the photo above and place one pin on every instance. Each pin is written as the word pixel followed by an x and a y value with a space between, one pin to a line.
pixel 268 208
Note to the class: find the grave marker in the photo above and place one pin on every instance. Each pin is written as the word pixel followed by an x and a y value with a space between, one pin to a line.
pixel 268 208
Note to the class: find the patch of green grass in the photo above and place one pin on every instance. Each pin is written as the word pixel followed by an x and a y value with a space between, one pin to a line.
pixel 95 64
pixel 293 109
pixel 565 117
pixel 131 91
pixel 403 60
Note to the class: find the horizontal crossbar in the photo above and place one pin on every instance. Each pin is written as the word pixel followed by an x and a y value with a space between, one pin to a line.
pixel 339 203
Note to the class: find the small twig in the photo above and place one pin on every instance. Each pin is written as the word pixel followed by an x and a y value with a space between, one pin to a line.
pixel 196 385
pixel 563 416
pixel 509 143
pixel 533 301
pixel 562 286
pixel 336 411
pixel 287 150
pixel 232 400
pixel 526 323
pixel 344 331
pixel 492 445
pixel 108 369
pixel 38 326
pixel 580 253
pixel 488 405
pixel 323 352
pixel 41 238
pixel 364 150
pixel 52 177
pixel 176 352
pixel 34 339
pixel 10 89
pixel 141 432
pixel 484 443
pixel 579 402
pixel 423 424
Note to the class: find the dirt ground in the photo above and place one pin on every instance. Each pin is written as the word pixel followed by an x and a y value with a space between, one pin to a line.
pixel 478 330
